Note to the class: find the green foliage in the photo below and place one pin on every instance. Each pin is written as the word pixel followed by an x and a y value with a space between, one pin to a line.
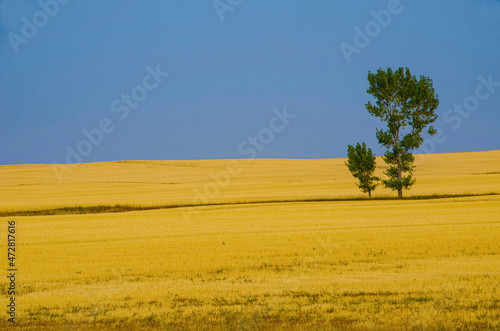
pixel 361 163
pixel 407 105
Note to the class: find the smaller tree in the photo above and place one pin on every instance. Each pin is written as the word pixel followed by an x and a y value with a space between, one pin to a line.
pixel 361 163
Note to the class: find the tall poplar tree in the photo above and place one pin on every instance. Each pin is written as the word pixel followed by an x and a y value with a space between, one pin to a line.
pixel 407 105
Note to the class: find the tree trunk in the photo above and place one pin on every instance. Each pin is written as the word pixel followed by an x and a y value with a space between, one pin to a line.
pixel 400 176
pixel 370 194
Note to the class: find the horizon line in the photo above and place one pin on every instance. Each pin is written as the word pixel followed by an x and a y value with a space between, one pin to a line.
pixel 224 159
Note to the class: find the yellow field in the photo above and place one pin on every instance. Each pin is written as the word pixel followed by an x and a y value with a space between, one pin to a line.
pixel 353 264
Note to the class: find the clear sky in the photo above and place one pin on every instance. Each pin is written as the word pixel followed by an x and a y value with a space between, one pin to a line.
pixel 97 80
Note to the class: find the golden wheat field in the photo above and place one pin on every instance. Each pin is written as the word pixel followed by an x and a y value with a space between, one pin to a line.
pixel 253 244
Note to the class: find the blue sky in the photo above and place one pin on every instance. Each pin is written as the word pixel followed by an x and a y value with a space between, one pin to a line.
pixel 66 67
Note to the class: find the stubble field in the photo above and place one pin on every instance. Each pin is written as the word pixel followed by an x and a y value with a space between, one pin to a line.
pixel 278 244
